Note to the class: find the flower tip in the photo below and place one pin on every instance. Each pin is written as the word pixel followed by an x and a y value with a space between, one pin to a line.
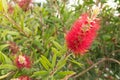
pixel 95 12
pixel 23 61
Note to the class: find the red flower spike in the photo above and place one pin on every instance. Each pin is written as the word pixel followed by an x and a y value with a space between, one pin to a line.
pixel 10 8
pixel 24 78
pixel 24 4
pixel 82 34
pixel 23 61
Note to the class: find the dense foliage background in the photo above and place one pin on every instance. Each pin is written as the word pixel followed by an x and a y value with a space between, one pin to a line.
pixel 39 32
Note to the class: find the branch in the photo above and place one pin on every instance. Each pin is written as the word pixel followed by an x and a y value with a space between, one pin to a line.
pixel 6 75
pixel 115 51
pixel 102 60
pixel 18 27
pixel 68 76
pixel 66 55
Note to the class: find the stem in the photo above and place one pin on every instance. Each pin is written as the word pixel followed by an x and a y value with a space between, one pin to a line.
pixel 115 51
pixel 56 67
pixel 102 60
pixel 61 17
pixel 18 27
pixel 53 71
pixel 6 75
pixel 68 76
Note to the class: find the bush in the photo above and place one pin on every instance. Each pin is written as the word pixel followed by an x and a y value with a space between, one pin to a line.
pixel 34 46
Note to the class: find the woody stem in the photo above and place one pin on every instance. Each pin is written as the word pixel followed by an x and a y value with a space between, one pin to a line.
pixel 102 60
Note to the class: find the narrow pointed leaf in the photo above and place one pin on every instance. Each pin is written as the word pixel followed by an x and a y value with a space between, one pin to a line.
pixel 5 59
pixel 3 46
pixel 8 66
pixel 40 74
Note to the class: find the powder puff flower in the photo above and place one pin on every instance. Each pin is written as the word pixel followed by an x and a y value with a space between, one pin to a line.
pixel 21 78
pixel 24 4
pixel 24 78
pixel 23 61
pixel 10 8
pixel 82 34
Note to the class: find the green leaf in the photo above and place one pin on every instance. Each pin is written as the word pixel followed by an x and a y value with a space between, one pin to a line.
pixel 63 74
pixel 40 74
pixel 12 33
pixel 4 58
pixel 3 46
pixel 22 22
pixel 45 62
pixel 106 37
pixel 38 43
pixel 60 64
pixel 27 30
pixel 49 40
pixel 103 1
pixel 54 60
pixel 8 66
pixel 36 31
pixel 55 51
pixel 59 53
pixel 75 62
pixel 1 7
pixel 4 5
pixel 57 45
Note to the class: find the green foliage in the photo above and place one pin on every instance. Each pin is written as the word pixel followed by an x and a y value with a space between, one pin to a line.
pixel 62 74
pixel 5 59
pixel 45 62
pixel 3 46
pixel 3 5
pixel 40 74
pixel 7 66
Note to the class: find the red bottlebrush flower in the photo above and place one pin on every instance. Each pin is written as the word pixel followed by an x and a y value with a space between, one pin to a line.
pixel 82 34
pixel 24 4
pixel 24 78
pixel 23 61
pixel 10 8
